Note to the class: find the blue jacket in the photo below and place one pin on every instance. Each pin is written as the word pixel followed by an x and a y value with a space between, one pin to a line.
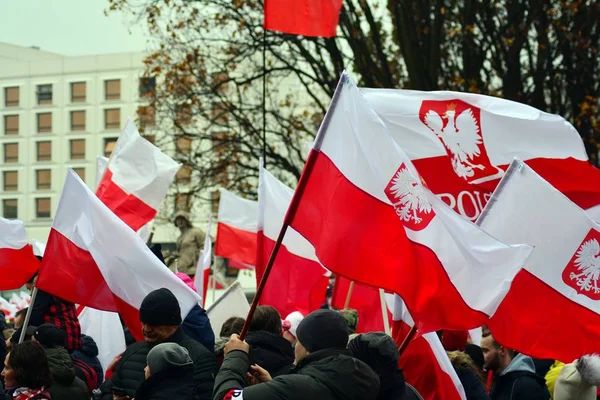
pixel 197 326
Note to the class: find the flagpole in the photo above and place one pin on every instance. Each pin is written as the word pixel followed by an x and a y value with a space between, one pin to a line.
pixel 264 96
pixel 384 312
pixel 349 294
pixel 213 282
pixel 298 193
pixel 28 315
pixel 407 340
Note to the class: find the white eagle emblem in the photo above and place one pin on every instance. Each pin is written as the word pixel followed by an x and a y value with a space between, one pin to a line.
pixel 408 197
pixel 588 266
pixel 460 136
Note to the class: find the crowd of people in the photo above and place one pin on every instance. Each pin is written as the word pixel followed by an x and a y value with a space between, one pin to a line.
pixel 317 356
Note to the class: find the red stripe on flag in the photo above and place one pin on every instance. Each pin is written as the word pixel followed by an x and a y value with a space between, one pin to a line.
pixel 17 266
pixel 303 17
pixel 132 210
pixel 236 244
pixel 335 216
pixel 365 300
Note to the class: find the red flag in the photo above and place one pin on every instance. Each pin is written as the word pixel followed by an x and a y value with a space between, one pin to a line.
pixel 17 261
pixel 364 299
pixel 236 228
pixel 303 17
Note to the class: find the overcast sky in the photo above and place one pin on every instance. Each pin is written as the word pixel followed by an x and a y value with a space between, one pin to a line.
pixel 70 27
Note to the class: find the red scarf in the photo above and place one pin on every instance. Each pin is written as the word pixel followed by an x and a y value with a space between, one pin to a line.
pixel 27 394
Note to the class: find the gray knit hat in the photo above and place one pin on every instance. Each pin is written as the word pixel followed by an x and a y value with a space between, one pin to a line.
pixel 166 356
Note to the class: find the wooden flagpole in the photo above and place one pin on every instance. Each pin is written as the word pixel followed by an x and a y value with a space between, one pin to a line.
pixel 291 212
pixel 349 295
pixel 384 312
pixel 407 340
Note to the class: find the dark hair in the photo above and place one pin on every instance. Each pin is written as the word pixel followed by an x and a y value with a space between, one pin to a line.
pixel 30 364
pixel 266 318
pixel 22 312
pixel 231 326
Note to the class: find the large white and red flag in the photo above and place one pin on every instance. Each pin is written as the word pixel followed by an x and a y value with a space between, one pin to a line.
pixel 425 363
pixel 203 268
pixel 94 259
pixel 137 178
pixel 372 219
pixel 236 228
pixel 551 310
pixel 18 263
pixel 462 143
pixel 298 281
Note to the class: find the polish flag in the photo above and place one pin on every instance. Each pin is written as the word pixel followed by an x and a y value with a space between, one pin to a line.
pixel 371 219
pixel 18 264
pixel 106 330
pixel 364 299
pixel 298 281
pixel 551 310
pixel 101 166
pixel 303 17
pixel 137 178
pixel 462 144
pixel 232 303
pixel 236 228
pixel 425 363
pixel 94 259
pixel 204 261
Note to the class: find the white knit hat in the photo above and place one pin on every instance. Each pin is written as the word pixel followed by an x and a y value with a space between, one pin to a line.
pixel 294 319
pixel 578 380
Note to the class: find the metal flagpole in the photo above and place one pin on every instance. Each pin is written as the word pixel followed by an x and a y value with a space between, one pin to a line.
pixel 214 282
pixel 28 315
pixel 384 312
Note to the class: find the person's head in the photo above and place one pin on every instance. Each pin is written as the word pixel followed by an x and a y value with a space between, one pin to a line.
pixel 182 220
pixel 495 356
pixel 319 330
pixel 160 316
pixel 266 318
pixel 377 350
pixel 26 365
pixel 166 356
pixel 290 326
pixel 20 317
pixel 50 336
pixel 231 326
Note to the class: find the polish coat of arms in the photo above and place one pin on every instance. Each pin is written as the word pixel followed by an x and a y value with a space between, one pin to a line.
pixel 583 271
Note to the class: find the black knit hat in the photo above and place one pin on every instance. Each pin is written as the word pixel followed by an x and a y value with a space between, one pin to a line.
pixel 49 336
pixel 377 350
pixel 160 307
pixel 323 329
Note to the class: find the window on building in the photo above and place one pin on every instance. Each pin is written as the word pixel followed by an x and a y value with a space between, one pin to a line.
pixel 11 181
pixel 11 152
pixel 11 124
pixel 44 122
pixel 184 175
pixel 11 97
pixel 184 144
pixel 112 89
pixel 182 201
pixel 147 86
pixel 78 92
pixel 44 151
pixel 112 118
pixel 77 121
pixel 146 117
pixel 109 146
pixel 10 208
pixel 77 149
pixel 42 208
pixel 43 179
pixel 44 94
pixel 80 172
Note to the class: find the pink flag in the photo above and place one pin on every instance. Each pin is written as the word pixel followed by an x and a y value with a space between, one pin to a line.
pixel 461 144
pixel 94 259
pixel 17 261
pixel 236 228
pixel 372 219
pixel 137 178
pixel 298 281
pixel 551 310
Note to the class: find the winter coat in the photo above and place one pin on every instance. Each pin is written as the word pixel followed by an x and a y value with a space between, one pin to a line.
pixel 392 387
pixel 329 374
pixel 520 382
pixel 89 355
pixel 189 244
pixel 272 352
pixel 172 384
pixel 197 326
pixel 473 386
pixel 65 385
pixel 129 372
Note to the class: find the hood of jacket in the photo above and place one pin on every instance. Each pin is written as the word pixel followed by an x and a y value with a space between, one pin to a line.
pixel 89 346
pixel 520 363
pixel 272 352
pixel 347 377
pixel 61 365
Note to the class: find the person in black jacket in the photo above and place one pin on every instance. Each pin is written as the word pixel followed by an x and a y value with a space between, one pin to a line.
pixel 89 355
pixel 469 375
pixel 515 377
pixel 324 370
pixel 169 374
pixel 161 319
pixel 268 347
